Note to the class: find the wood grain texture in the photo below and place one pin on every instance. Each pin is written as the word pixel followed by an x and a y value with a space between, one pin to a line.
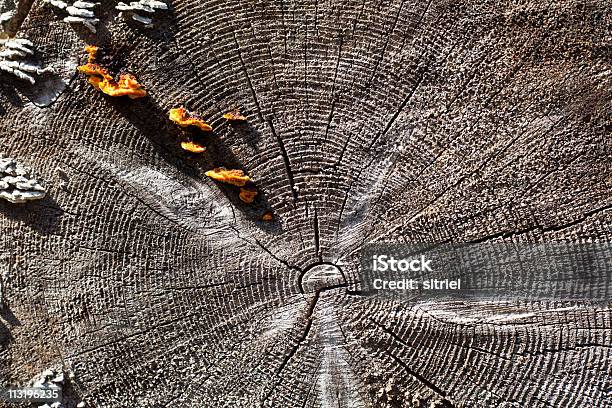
pixel 368 121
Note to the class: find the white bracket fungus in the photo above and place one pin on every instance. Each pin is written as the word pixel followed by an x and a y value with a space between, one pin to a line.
pixel 18 184
pixel 142 6
pixel 7 12
pixel 5 18
pixel 79 12
pixel 14 50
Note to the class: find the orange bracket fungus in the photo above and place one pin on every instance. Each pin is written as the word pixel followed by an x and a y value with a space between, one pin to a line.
pixel 234 116
pixel 234 177
pixel 100 78
pixel 126 86
pixel 92 53
pixel 92 68
pixel 267 217
pixel 193 147
pixel 248 195
pixel 184 118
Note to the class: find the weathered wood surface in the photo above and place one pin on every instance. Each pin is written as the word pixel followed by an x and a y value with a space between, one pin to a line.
pixel 421 121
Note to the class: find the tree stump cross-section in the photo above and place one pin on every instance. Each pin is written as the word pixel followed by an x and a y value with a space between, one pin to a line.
pixel 152 285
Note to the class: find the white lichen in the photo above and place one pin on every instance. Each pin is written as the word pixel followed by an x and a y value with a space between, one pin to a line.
pixel 12 52
pixel 19 184
pixel 80 12
pixel 134 9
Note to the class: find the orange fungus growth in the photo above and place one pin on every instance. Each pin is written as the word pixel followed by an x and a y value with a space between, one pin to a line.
pixel 193 147
pixel 92 50
pixel 91 68
pixel 248 195
pixel 234 177
pixel 267 217
pixel 234 116
pixel 126 86
pixel 184 118
pixel 100 78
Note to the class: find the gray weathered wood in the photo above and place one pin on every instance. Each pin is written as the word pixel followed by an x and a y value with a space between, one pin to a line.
pixel 368 121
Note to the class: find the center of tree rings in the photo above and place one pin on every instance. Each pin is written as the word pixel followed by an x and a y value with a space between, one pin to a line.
pixel 321 276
